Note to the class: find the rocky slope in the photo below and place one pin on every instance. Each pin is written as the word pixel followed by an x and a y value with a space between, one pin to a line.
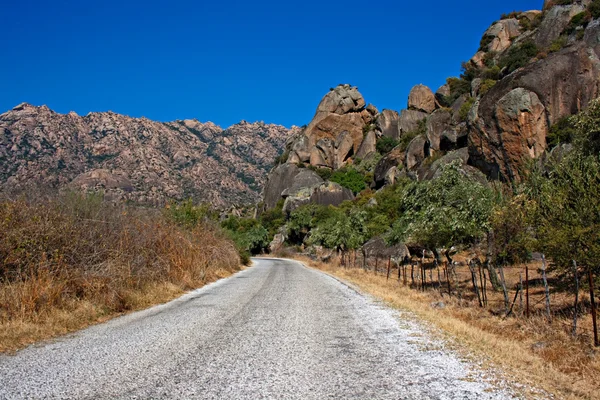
pixel 137 159
pixel 532 70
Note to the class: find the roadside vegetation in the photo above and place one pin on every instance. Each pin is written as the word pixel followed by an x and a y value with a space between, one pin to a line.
pixel 70 260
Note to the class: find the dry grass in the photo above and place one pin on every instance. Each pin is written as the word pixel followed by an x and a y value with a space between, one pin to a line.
pixel 72 261
pixel 531 351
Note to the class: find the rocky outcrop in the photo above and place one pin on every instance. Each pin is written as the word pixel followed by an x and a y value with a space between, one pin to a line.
pixel 514 133
pixel 408 121
pixel 391 160
pixel 501 34
pixel 555 21
pixel 341 111
pixel 387 122
pixel 323 193
pixel 438 123
pixel 421 98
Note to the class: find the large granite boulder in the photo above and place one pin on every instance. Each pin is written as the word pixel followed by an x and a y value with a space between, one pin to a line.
pixel 417 151
pixel 408 121
pixel 387 122
pixel 368 145
pixel 280 179
pixel 325 193
pixel 421 98
pixel 519 135
pixel 439 122
pixel 391 160
pixel 501 34
pixel 555 21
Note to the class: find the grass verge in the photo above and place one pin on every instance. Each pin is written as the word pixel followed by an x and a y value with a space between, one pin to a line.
pixel 531 352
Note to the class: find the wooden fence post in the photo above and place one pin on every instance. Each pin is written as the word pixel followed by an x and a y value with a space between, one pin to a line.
pixel 546 288
pixel 389 266
pixel 474 280
pixel 376 259
pixel 506 300
pixel 593 301
pixel 521 293
pixel 576 306
pixel 527 291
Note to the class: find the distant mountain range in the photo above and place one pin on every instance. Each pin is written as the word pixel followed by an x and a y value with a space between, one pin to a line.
pixel 137 159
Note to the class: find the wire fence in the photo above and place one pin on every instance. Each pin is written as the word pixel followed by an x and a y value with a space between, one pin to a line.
pixel 524 291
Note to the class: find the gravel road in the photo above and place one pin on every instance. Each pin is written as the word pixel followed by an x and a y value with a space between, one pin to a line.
pixel 277 330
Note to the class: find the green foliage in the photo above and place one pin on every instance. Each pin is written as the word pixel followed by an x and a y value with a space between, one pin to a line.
pixel 587 129
pixel 518 56
pixel 249 236
pixel 273 219
pixel 444 212
pixel 486 85
pixel 463 112
pixel 324 173
pixel 408 137
pixel 386 144
pixel 349 178
pixel 558 44
pixel 594 8
pixel 567 216
pixel 367 165
pixel 485 42
pixel 341 230
pixel 561 132
pixel 187 215
pixel 282 158
pixel 513 14
pixel 458 87
pixel 579 21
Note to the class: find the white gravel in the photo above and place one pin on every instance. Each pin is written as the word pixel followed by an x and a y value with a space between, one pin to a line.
pixel 276 330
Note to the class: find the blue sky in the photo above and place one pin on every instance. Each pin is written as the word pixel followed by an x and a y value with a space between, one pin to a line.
pixel 224 61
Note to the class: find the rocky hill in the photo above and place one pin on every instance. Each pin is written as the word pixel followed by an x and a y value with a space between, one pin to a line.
pixel 533 69
pixel 135 158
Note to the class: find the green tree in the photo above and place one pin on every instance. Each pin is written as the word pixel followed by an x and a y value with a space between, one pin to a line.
pixel 448 211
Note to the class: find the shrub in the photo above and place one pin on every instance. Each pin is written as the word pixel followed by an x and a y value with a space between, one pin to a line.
pixel 386 144
pixel 458 87
pixel 463 112
pixel 594 9
pixel 350 179
pixel 518 56
pixel 561 132
pixel 580 20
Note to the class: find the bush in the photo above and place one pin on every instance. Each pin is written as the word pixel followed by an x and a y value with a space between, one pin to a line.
pixel 463 112
pixel 385 145
pixel 561 132
pixel 594 9
pixel 350 179
pixel 558 44
pixel 518 56
pixel 64 251
pixel 486 85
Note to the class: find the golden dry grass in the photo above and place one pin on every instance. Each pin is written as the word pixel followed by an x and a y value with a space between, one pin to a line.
pixel 532 352
pixel 69 262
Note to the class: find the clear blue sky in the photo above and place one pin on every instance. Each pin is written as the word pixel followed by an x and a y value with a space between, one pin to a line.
pixel 224 61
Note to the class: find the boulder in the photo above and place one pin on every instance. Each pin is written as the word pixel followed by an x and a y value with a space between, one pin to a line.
pixel 344 145
pixel 391 160
pixel 322 154
pixel 417 151
pixel 437 124
pixel 377 247
pixel 421 98
pixel 331 193
pixel 368 145
pixel 502 32
pixel 519 132
pixel 462 155
pixel 280 179
pixel 454 138
pixel 305 178
pixel 299 150
pixel 387 122
pixel 457 105
pixel 408 121
pixel 555 21
pixel 343 99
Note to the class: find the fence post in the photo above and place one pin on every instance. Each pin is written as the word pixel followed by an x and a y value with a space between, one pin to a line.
pixel 521 293
pixel 376 259
pixel 483 283
pixel 474 280
pixel 448 278
pixel 593 301
pixel 527 291
pixel 576 306
pixel 412 273
pixel 506 300
pixel 388 269
pixel 546 289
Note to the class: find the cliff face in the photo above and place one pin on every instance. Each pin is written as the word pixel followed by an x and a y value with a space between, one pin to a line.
pixel 137 159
